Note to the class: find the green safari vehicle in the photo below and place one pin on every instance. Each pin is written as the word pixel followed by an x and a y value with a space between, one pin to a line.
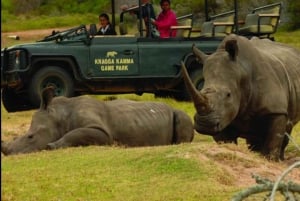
pixel 76 61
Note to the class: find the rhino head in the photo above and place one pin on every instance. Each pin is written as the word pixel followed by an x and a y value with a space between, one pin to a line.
pixel 42 130
pixel 219 101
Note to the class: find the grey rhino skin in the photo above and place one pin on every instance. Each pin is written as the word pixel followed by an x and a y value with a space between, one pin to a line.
pixel 251 90
pixel 64 122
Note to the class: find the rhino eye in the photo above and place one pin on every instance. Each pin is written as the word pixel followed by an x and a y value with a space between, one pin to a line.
pixel 228 95
pixel 30 136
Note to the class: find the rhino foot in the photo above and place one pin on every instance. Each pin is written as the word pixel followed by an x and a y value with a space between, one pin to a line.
pixel 51 146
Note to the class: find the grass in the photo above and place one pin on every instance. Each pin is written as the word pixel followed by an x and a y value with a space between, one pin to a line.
pixel 201 171
pixel 178 172
pixel 112 173
pixel 42 22
pixel 291 38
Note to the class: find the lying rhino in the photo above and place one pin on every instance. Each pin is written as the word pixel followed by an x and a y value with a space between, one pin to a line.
pixel 63 122
pixel 251 90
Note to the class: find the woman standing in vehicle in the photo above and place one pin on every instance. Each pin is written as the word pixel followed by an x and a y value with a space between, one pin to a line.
pixel 165 20
pixel 105 26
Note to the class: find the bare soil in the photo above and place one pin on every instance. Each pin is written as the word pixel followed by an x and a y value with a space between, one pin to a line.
pixel 7 38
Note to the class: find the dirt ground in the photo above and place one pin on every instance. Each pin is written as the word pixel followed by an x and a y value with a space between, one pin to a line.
pixel 236 161
pixel 8 38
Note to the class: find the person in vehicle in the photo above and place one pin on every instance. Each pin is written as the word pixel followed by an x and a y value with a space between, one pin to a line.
pixel 147 11
pixel 105 26
pixel 165 20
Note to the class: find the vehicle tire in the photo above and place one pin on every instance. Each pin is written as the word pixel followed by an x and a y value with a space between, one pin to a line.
pixel 196 75
pixel 14 102
pixel 163 94
pixel 50 76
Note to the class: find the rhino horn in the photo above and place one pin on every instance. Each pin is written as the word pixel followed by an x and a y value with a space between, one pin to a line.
pixel 200 101
pixel 47 95
pixel 199 54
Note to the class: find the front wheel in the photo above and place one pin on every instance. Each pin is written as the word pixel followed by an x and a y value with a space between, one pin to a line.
pixel 14 102
pixel 50 76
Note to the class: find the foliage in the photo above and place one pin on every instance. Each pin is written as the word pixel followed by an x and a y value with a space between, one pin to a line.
pixel 175 172
pixel 289 37
pixel 294 10
pixel 70 12
pixel 56 7
pixel 43 21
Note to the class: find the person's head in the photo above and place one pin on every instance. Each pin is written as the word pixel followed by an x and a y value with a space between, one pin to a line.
pixel 103 19
pixel 165 5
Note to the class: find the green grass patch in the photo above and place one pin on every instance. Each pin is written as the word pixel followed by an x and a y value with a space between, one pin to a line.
pixel 187 172
pixel 291 37
pixel 112 173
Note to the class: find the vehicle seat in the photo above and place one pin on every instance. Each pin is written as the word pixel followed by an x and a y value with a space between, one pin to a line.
pixel 219 26
pixel 123 28
pixel 263 21
pixel 93 29
pixel 184 27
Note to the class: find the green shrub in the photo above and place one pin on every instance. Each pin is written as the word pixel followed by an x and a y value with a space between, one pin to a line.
pixel 294 10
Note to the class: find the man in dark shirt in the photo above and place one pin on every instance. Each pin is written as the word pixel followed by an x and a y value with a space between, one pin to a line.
pixel 105 26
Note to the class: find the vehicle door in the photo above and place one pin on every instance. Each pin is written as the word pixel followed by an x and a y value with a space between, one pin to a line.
pixel 113 56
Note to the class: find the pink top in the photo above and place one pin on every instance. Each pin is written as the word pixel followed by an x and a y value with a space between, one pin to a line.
pixel 164 22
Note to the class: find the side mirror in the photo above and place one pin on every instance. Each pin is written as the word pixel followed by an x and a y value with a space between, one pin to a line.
pixel 93 29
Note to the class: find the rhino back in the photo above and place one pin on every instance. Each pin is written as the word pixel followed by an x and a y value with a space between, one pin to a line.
pixel 284 61
pixel 140 123
pixel 274 77
pixel 79 112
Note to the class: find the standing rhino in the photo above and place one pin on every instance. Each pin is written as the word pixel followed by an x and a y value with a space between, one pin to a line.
pixel 64 122
pixel 251 90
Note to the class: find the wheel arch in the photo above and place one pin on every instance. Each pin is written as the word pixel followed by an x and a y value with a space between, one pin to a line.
pixel 191 62
pixel 66 63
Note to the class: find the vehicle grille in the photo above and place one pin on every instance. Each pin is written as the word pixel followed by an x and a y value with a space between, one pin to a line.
pixel 16 64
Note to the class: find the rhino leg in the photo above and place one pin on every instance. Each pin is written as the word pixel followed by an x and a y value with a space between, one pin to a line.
pixel 255 144
pixel 82 137
pixel 285 142
pixel 275 141
pixel 183 127
pixel 228 135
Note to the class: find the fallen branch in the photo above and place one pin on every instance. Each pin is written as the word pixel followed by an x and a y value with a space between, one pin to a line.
pixel 265 185
pixel 276 185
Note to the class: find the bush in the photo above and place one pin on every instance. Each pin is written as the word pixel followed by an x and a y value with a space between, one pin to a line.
pixel 294 10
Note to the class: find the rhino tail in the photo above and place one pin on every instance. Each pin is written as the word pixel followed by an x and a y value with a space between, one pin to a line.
pixel 183 127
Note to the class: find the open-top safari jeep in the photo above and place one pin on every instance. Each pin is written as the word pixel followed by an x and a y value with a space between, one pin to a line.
pixel 76 61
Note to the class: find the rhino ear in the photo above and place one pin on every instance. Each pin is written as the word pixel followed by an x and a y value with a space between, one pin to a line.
pixel 232 49
pixel 47 95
